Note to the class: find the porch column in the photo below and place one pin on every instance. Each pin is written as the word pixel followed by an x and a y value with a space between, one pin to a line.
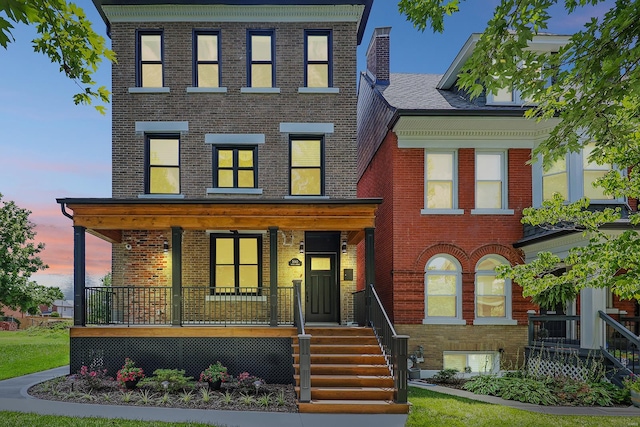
pixel 79 276
pixel 176 276
pixel 369 271
pixel 591 326
pixel 273 275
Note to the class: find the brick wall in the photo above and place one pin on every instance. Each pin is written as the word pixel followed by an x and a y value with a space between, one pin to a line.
pixel 234 112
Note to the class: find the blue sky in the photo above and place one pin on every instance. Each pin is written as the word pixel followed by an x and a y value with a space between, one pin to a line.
pixel 51 148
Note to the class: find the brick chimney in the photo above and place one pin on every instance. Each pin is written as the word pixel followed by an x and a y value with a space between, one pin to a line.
pixel 378 56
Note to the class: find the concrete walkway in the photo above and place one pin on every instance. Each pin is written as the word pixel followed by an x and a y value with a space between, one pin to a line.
pixel 14 397
pixel 552 410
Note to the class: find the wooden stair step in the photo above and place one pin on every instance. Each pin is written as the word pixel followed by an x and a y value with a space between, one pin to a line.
pixel 349 380
pixel 373 359
pixel 345 369
pixel 340 349
pixel 349 330
pixel 346 340
pixel 353 407
pixel 350 393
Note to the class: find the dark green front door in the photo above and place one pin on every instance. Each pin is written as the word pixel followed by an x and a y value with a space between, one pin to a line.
pixel 321 288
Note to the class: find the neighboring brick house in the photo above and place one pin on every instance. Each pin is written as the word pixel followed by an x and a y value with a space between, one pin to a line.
pixel 454 179
pixel 234 177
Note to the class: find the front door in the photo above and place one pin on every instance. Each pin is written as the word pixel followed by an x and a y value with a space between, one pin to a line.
pixel 321 288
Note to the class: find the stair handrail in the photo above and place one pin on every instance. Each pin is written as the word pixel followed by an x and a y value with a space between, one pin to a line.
pixel 394 346
pixel 304 347
pixel 631 342
pixel 298 316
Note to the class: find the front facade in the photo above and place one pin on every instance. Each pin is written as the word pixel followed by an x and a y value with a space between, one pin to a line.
pixel 234 182
pixel 454 176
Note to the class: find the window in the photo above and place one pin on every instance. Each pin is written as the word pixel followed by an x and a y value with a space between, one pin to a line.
pixel 491 189
pixel 475 361
pixel 317 50
pixel 163 165
pixel 443 289
pixel 150 58
pixel 307 166
pixel 440 183
pixel 554 180
pixel 236 266
pixel 235 167
pixel 206 59
pixel 493 295
pixel 591 171
pixel 261 58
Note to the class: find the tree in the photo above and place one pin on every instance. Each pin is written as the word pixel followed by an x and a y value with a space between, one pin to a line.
pixel 19 260
pixel 595 92
pixel 66 37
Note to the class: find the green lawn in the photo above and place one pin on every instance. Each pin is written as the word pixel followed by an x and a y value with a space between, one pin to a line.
pixel 32 350
pixel 435 409
pixel 32 420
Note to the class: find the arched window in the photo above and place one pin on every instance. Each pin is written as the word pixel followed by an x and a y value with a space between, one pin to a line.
pixel 443 290
pixel 493 295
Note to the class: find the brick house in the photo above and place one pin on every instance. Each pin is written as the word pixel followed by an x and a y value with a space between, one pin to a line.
pixel 454 179
pixel 233 185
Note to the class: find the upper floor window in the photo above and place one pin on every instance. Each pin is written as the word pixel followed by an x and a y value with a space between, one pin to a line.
pixel 150 59
pixel 440 180
pixel 163 165
pixel 493 295
pixel 443 290
pixel 591 171
pixel 206 59
pixel 491 189
pixel 235 167
pixel 554 180
pixel 261 58
pixel 318 58
pixel 236 264
pixel 307 166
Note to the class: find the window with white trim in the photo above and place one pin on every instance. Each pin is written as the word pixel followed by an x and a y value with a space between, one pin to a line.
pixel 441 186
pixel 443 290
pixel 477 362
pixel 491 187
pixel 493 295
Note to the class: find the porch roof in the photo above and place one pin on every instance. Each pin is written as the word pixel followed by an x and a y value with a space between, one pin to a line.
pixel 106 217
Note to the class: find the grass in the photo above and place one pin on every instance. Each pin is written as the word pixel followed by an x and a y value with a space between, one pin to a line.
pixel 435 409
pixel 32 350
pixel 34 420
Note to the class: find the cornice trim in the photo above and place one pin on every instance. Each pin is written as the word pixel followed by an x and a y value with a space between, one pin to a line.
pixel 229 13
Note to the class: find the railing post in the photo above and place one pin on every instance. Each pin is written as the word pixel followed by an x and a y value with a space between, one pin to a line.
pixel 273 275
pixel 369 270
pixel 296 308
pixel 79 277
pixel 530 327
pixel 401 371
pixel 304 344
pixel 176 276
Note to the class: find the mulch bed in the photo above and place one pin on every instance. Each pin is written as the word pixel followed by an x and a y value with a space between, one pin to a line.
pixel 70 389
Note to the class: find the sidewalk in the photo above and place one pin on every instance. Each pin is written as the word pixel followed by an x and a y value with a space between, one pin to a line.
pixel 14 397
pixel 551 410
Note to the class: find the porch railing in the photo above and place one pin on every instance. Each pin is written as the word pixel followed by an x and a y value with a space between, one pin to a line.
pixel 394 346
pixel 304 348
pixel 622 347
pixel 201 305
pixel 553 330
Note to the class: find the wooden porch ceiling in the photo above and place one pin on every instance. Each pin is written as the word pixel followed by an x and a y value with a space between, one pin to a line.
pixel 106 218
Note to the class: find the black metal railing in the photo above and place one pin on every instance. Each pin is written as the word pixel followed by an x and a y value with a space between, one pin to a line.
pixel 394 346
pixel 552 330
pixel 304 348
pixel 201 305
pixel 622 347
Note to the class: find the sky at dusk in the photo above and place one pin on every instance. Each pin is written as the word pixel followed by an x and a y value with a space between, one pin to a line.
pixel 51 148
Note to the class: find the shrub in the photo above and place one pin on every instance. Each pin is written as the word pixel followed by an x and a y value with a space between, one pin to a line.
pixel 447 376
pixel 129 372
pixel 247 383
pixel 171 380
pixel 93 375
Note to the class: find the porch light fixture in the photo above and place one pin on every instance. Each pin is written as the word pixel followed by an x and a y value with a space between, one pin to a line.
pixel 301 246
pixel 344 246
pixel 165 246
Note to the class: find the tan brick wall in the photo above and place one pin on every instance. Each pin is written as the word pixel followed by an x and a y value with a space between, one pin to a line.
pixel 234 112
pixel 438 338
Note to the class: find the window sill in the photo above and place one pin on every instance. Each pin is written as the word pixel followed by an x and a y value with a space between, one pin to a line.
pixel 149 90
pixel 160 196
pixel 492 211
pixel 259 90
pixel 319 90
pixel 443 321
pixel 192 89
pixel 231 297
pixel 306 197
pixel 487 321
pixel 442 211
pixel 218 190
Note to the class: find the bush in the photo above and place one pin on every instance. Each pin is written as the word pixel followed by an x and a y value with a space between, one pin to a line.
pixel 449 376
pixel 55 314
pixel 168 380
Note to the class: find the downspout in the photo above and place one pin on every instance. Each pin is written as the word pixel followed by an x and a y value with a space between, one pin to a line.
pixel 63 208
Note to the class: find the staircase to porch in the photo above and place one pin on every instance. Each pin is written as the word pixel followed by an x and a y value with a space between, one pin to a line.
pixel 349 373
